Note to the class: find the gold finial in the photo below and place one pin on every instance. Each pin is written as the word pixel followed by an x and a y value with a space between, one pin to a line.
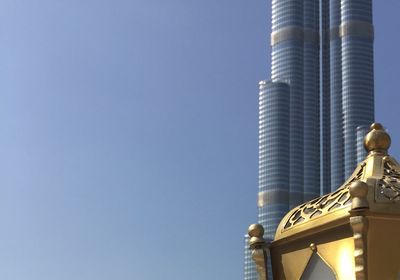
pixel 377 140
pixel 256 233
pixel 256 230
pixel 358 192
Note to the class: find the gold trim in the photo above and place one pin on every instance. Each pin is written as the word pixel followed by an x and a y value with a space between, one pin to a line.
pixel 359 224
pixel 294 33
pixel 352 28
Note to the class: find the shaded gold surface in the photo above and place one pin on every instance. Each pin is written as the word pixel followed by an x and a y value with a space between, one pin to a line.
pixel 384 247
pixel 259 256
pixel 300 258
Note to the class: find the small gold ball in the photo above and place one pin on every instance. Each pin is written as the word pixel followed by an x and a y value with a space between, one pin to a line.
pixel 256 230
pixel 358 189
pixel 376 126
pixel 377 139
pixel 313 247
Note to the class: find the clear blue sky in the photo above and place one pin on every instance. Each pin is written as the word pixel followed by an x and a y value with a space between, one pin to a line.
pixel 128 145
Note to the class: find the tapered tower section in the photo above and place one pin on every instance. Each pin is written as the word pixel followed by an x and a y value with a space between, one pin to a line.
pixel 311 151
pixel 287 40
pixel 357 34
pixel 273 197
pixel 325 106
pixel 336 112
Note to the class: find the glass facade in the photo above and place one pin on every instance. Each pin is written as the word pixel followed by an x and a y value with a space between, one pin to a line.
pixel 288 65
pixel 357 74
pixel 337 164
pixel 311 91
pixel 325 107
pixel 250 272
pixel 362 130
pixel 273 181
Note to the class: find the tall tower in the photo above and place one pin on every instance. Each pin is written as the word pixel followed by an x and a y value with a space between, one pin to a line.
pixel 311 97
pixel 352 82
pixel 316 106
pixel 287 41
pixel 273 192
pixel 325 106
pixel 357 34
pixel 336 112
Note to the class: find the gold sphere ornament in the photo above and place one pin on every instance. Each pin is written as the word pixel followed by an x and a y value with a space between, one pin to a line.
pixel 256 230
pixel 358 192
pixel 377 139
pixel 358 189
pixel 256 233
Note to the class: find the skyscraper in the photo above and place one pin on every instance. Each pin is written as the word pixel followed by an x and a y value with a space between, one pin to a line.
pixel 311 101
pixel 352 81
pixel 357 34
pixel 274 143
pixel 325 106
pixel 336 110
pixel 317 104
pixel 287 65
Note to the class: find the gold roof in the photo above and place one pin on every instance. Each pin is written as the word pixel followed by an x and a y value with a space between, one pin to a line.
pixel 379 171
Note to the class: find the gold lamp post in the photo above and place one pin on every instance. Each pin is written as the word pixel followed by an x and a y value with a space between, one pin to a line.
pixel 351 233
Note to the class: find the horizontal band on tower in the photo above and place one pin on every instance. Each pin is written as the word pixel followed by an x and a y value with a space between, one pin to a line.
pixel 294 33
pixel 353 28
pixel 272 196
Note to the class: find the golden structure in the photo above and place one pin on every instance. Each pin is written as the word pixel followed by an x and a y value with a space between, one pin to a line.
pixel 351 233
